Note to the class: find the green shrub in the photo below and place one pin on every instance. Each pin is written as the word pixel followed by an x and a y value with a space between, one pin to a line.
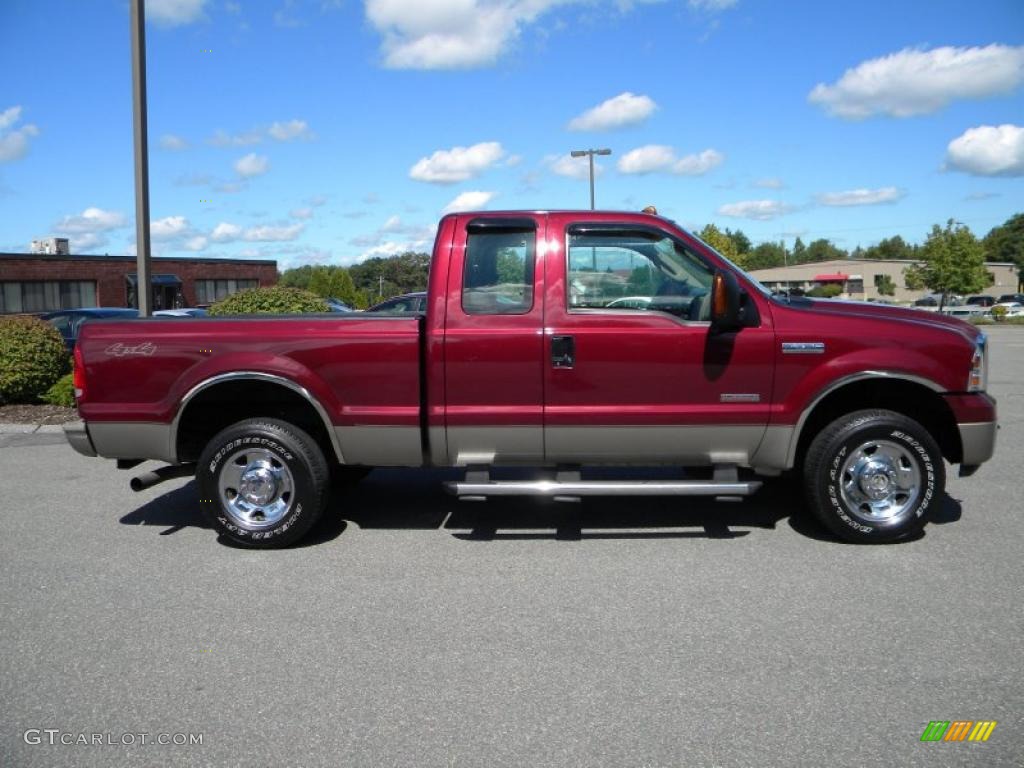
pixel 828 291
pixel 998 313
pixel 275 300
pixel 32 358
pixel 61 393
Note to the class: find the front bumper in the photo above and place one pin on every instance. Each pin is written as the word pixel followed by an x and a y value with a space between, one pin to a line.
pixel 975 415
pixel 978 442
pixel 78 437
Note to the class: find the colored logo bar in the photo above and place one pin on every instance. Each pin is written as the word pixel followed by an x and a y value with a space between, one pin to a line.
pixel 958 730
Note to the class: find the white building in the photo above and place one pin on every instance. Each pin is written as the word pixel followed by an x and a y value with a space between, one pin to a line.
pixel 863 278
pixel 52 246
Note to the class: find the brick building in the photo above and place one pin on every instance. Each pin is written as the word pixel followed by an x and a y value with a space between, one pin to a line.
pixel 44 282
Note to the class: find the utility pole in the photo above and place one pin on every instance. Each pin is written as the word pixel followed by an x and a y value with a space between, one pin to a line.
pixel 590 153
pixel 143 291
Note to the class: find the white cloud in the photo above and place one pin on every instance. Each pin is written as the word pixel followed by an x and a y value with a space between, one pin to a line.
pixel 573 167
pixel 225 232
pixel 448 166
pixel 861 197
pixel 393 224
pixel 87 242
pixel 14 141
pixel 168 228
pixel 712 5
pixel 469 201
pixel 759 210
pixel 915 82
pixel 658 157
pixel 616 112
pixel 301 213
pixel 91 220
pixel 293 129
pixel 988 150
pixel 197 243
pixel 172 143
pixel 223 139
pixel 252 165
pixel 699 164
pixel 647 159
pixel 174 12
pixel 450 34
pixel 266 234
pixel 770 183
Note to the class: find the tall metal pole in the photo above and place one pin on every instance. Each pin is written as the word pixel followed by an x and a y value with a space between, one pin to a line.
pixel 590 153
pixel 591 181
pixel 143 292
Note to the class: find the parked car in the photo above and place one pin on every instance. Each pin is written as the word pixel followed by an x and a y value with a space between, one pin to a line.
pixel 407 302
pixel 182 312
pixel 981 301
pixel 1017 298
pixel 337 305
pixel 69 321
pixel 630 302
pixel 1013 308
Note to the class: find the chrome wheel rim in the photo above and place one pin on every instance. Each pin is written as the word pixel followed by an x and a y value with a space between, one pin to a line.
pixel 256 488
pixel 880 482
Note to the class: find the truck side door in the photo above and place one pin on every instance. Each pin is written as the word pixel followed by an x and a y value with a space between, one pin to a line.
pixel 632 372
pixel 493 345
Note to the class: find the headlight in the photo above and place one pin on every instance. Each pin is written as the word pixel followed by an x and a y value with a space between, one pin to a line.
pixel 977 381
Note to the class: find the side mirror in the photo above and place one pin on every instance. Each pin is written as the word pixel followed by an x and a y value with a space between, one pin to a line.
pixel 726 308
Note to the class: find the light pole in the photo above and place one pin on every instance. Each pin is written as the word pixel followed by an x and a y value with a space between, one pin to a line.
pixel 590 153
pixel 143 291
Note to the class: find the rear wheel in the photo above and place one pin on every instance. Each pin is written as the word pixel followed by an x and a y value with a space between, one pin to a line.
pixel 874 476
pixel 263 483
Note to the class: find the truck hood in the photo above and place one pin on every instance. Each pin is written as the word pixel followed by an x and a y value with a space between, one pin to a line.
pixel 872 311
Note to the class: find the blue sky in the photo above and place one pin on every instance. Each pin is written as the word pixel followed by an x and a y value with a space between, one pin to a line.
pixel 314 131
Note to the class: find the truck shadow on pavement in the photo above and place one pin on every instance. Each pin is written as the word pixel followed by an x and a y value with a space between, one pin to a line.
pixel 403 499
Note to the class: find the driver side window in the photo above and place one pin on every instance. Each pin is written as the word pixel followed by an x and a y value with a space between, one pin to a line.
pixel 637 271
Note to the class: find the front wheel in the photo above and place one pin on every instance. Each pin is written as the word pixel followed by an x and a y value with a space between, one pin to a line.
pixel 262 483
pixel 874 476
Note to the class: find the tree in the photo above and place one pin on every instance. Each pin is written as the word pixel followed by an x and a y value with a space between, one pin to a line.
pixel 885 285
pixel 952 261
pixel 823 250
pixel 1006 243
pixel 766 255
pixel 392 275
pixel 740 240
pixel 891 248
pixel 799 251
pixel 297 277
pixel 718 240
pixel 827 291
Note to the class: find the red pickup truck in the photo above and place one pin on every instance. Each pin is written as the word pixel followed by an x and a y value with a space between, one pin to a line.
pixel 559 340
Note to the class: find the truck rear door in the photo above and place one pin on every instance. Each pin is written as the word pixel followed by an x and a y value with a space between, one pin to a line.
pixel 632 373
pixel 493 344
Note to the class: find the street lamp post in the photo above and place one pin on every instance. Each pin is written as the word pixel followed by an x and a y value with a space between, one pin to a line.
pixel 143 291
pixel 590 153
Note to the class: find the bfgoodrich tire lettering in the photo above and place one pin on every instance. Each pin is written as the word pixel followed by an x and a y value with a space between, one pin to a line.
pixel 874 476
pixel 262 483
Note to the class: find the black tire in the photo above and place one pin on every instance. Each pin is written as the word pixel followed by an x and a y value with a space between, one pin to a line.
pixel 874 476
pixel 284 482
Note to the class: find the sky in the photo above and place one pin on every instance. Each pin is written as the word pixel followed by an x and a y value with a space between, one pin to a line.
pixel 327 132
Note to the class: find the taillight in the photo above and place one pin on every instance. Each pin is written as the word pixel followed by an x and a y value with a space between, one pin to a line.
pixel 78 375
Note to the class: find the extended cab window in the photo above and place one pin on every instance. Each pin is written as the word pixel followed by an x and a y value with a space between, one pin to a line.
pixel 639 271
pixel 498 276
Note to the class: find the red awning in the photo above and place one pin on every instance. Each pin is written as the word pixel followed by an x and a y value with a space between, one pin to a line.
pixel 838 277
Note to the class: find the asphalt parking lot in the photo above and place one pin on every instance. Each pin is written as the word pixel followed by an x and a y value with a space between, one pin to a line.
pixel 415 630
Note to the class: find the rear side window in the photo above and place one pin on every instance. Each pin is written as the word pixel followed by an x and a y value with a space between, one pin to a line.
pixel 498 274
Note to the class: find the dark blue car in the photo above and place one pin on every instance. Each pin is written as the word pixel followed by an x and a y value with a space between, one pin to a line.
pixel 68 321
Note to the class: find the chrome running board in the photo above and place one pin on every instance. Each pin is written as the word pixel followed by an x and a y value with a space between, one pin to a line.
pixel 478 485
